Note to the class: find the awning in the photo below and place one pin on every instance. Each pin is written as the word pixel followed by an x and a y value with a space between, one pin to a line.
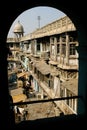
pixel 54 73
pixel 19 98
pixel 42 67
pixel 13 60
pixel 53 62
pixel 22 74
pixel 72 85
pixel 17 95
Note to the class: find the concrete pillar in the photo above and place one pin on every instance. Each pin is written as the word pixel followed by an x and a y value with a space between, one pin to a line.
pixel 51 42
pixel 35 43
pixel 55 44
pixel 67 49
pixel 72 102
pixel 60 48
pixel 75 105
pixel 41 47
pixel 42 93
pixel 65 94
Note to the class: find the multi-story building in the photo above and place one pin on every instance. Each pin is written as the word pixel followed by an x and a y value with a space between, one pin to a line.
pixel 50 57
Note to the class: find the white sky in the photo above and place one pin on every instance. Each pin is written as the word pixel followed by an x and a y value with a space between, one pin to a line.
pixel 29 18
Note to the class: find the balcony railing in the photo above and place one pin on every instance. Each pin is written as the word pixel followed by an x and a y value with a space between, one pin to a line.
pixel 27 106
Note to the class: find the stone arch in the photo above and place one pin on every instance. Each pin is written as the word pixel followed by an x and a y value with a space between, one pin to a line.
pixel 76 19
pixel 13 9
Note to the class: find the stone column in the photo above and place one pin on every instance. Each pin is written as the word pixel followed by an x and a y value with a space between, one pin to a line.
pixel 55 44
pixel 50 46
pixel 67 49
pixel 75 105
pixel 35 44
pixel 41 47
pixel 65 93
pixel 60 48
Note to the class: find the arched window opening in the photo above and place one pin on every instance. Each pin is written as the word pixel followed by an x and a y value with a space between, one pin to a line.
pixel 45 62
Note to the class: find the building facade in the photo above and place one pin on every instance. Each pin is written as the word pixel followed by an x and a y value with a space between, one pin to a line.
pixel 50 56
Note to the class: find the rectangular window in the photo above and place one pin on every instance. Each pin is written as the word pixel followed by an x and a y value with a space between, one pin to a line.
pixel 72 49
pixel 17 45
pixel 64 49
pixel 58 48
pixel 61 92
pixel 52 49
pixel 11 45
pixel 38 46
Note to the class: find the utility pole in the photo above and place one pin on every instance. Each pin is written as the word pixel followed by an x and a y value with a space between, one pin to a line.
pixel 39 18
